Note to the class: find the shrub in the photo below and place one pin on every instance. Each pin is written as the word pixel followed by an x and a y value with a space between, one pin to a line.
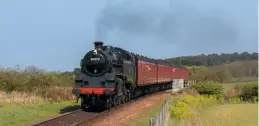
pixel 250 92
pixel 50 86
pixel 180 110
pixel 209 88
pixel 31 79
pixel 183 107
pixel 235 92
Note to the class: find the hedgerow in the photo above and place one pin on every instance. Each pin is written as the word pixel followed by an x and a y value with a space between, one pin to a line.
pixel 52 86
pixel 250 92
pixel 209 88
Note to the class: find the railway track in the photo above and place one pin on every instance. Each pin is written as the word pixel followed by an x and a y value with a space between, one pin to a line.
pixel 82 118
pixel 67 119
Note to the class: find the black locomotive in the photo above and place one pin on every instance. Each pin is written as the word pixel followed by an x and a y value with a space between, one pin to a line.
pixel 101 79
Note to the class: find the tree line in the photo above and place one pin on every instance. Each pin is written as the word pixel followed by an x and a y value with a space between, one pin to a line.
pixel 212 59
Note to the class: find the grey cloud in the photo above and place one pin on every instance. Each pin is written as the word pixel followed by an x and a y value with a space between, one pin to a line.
pixel 179 24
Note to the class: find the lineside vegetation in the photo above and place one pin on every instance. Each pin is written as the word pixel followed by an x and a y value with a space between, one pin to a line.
pixel 202 96
pixel 54 86
pixel 34 85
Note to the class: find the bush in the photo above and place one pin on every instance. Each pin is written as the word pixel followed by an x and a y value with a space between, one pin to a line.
pixel 180 110
pixel 234 93
pixel 55 86
pixel 33 79
pixel 183 107
pixel 250 92
pixel 209 88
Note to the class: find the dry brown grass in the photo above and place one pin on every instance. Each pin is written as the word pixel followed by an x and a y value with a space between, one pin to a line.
pixel 55 94
pixel 60 94
pixel 191 91
pixel 18 98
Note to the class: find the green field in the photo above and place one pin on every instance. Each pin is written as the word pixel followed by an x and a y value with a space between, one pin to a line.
pixel 230 115
pixel 22 115
pixel 223 115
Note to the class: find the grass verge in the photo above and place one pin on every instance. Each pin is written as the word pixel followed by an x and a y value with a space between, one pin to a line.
pixel 26 114
pixel 145 118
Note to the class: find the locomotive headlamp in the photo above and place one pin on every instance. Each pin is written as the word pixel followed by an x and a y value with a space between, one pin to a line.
pixel 95 52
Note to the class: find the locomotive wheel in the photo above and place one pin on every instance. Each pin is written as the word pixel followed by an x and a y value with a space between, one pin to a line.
pixel 123 99
pixel 83 103
pixel 124 95
pixel 127 96
pixel 120 96
pixel 109 103
pixel 116 100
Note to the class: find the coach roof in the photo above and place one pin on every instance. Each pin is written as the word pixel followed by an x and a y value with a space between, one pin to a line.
pixel 163 62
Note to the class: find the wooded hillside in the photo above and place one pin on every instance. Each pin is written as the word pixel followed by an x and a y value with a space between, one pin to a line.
pixel 233 72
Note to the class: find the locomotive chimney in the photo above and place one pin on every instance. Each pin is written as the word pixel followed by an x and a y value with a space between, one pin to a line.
pixel 98 45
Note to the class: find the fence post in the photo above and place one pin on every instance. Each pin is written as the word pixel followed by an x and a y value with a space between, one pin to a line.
pixel 164 115
pixel 160 117
pixel 166 110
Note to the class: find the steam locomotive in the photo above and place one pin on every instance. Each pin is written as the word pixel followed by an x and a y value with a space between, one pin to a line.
pixel 110 76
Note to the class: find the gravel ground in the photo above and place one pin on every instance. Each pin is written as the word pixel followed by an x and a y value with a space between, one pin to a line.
pixel 130 113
